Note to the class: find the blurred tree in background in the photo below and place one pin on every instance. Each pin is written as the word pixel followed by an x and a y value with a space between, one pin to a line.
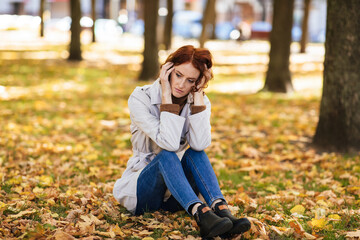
pixel 207 21
pixel 168 24
pixel 278 77
pixel 150 64
pixel 75 45
pixel 305 24
pixel 93 16
pixel 339 122
pixel 41 14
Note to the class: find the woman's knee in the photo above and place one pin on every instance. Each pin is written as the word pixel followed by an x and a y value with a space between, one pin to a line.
pixel 167 153
pixel 168 156
pixel 193 152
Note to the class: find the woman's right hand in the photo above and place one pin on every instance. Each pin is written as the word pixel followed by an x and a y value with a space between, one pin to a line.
pixel 165 71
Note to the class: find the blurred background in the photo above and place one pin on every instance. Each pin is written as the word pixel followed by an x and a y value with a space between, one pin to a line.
pixel 235 19
pixel 112 32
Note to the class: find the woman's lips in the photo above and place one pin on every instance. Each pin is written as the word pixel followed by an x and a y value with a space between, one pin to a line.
pixel 178 90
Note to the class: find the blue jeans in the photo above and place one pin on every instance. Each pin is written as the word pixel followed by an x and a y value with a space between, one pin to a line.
pixel 185 180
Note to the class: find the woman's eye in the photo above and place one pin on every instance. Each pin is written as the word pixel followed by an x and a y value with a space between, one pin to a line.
pixel 191 81
pixel 178 75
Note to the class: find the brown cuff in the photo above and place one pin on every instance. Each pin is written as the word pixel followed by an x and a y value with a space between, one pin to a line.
pixel 197 109
pixel 172 108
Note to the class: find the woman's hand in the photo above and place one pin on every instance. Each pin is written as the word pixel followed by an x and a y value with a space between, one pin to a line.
pixel 165 71
pixel 199 91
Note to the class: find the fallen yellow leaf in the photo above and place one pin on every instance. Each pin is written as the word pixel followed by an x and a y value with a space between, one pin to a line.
pixel 318 223
pixel 334 217
pixel 45 180
pixel 15 180
pixel 37 190
pixel 51 202
pixel 117 231
pixel 322 203
pixel 2 205
pixel 298 209
pixel 272 189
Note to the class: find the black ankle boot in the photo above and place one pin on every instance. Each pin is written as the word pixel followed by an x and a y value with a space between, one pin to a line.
pixel 210 224
pixel 240 225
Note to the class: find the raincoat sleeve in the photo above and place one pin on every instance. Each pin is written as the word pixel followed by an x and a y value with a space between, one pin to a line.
pixel 165 130
pixel 199 135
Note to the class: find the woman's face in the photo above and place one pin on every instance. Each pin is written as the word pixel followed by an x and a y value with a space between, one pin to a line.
pixel 183 78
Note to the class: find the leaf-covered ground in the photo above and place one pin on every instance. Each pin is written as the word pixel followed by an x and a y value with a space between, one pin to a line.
pixel 64 140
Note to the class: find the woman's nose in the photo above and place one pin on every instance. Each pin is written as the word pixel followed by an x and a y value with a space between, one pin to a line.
pixel 182 83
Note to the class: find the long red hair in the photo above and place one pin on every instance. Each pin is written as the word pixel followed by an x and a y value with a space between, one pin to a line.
pixel 199 57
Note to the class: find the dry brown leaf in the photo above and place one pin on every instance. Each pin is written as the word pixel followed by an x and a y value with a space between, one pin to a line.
pixel 297 227
pixel 60 235
pixel 91 238
pixel 74 214
pixel 23 213
pixel 258 227
pixel 117 230
pixel 309 236
pixel 106 234
pixel 353 234
pixel 91 219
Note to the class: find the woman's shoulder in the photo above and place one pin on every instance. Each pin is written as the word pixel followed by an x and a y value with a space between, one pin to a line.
pixel 145 92
pixel 145 88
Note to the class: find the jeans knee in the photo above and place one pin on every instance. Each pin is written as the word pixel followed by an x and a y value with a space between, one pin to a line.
pixel 194 152
pixel 168 156
pixel 166 153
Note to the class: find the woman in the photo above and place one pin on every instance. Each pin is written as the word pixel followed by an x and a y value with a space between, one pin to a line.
pixel 170 120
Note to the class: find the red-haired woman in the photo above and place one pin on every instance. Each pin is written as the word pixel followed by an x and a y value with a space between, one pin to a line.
pixel 170 127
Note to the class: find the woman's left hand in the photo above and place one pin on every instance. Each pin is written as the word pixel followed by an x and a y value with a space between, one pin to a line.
pixel 206 77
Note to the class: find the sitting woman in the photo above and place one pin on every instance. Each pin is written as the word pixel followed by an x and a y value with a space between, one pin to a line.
pixel 170 127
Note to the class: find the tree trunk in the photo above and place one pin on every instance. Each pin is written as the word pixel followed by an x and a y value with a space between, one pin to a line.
pixel 278 77
pixel 75 45
pixel 41 14
pixel 304 35
pixel 338 128
pixel 213 21
pixel 150 64
pixel 168 25
pixel 93 15
pixel 209 14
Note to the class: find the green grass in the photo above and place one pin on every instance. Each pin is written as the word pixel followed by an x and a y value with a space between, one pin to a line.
pixel 60 209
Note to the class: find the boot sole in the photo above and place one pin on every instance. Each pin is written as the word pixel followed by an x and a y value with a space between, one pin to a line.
pixel 220 228
pixel 235 231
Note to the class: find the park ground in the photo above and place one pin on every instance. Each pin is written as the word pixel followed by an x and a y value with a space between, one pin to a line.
pixel 64 140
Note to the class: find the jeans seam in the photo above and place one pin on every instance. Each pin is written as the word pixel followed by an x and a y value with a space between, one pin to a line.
pixel 201 179
pixel 165 177
pixel 145 170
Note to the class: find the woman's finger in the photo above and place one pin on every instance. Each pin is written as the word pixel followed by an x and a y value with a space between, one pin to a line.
pixel 168 72
pixel 164 69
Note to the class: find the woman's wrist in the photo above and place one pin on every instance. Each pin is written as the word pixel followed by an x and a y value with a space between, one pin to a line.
pixel 199 98
pixel 166 98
